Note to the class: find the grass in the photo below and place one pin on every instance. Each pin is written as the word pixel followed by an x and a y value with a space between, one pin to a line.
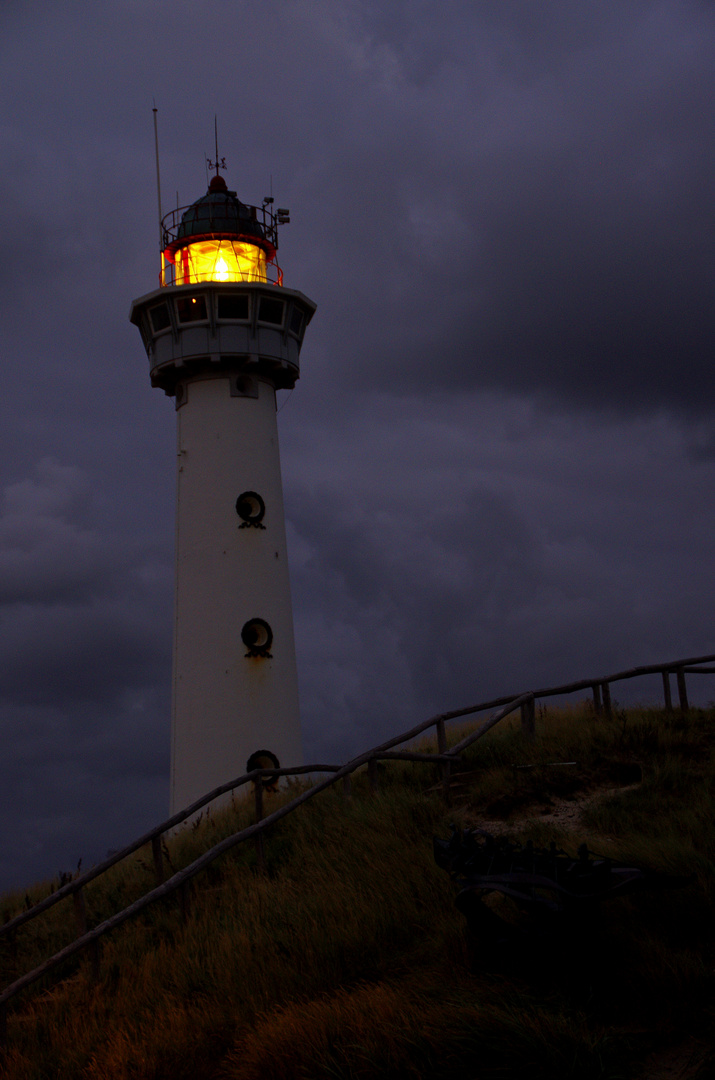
pixel 347 957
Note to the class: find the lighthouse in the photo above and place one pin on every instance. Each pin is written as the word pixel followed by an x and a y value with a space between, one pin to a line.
pixel 222 335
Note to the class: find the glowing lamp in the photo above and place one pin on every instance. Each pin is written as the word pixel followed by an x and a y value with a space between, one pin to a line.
pixel 218 260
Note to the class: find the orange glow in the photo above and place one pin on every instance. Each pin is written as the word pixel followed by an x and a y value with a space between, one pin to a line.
pixel 219 260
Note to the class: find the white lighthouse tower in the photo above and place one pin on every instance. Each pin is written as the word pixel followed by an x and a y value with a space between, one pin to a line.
pixel 222 335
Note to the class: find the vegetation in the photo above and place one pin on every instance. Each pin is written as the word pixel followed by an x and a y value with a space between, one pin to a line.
pixel 347 958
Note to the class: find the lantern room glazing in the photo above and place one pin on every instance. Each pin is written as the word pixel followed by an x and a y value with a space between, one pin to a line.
pixel 219 238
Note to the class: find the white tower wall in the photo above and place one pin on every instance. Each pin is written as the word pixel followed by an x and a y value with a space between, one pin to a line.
pixel 227 705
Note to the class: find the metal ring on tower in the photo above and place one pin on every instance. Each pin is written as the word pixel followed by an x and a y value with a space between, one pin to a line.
pixel 257 636
pixel 251 509
pixel 264 759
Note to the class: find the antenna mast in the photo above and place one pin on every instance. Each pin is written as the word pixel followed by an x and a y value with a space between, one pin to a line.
pixel 216 140
pixel 158 180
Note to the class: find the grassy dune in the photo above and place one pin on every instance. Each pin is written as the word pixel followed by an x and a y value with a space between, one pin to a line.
pixel 348 959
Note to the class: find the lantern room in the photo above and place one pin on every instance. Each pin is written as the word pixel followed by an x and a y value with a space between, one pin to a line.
pixel 219 238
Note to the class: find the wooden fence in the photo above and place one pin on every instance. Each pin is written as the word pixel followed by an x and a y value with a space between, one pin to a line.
pixel 445 758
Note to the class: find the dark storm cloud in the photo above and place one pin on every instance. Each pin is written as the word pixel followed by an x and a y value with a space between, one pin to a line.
pixel 47 552
pixel 74 654
pixel 542 222
pixel 83 654
pixel 467 548
pixel 72 626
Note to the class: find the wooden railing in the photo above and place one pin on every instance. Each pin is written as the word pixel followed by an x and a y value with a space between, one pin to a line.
pixel 445 758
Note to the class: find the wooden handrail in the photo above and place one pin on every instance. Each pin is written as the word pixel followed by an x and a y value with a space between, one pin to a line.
pixel 437 721
pixel 505 706
pixel 510 707
pixel 157 832
pixel 181 877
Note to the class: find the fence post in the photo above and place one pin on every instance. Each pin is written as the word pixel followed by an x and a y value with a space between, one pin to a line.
pixel 441 737
pixel 528 719
pixel 347 786
pixel 372 774
pixel 608 710
pixel 666 691
pixel 258 792
pixel 597 698
pixel 158 859
pixel 682 690
pixel 446 786
pixel 80 912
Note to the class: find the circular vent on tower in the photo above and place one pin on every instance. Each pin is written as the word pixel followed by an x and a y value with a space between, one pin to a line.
pixel 257 636
pixel 250 507
pixel 265 759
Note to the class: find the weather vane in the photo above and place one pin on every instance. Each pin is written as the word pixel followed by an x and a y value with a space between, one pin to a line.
pixel 218 163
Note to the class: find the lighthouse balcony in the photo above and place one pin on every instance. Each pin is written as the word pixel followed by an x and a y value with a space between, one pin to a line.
pixel 191 328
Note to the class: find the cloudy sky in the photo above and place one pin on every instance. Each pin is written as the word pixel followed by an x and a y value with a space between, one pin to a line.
pixel 499 460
